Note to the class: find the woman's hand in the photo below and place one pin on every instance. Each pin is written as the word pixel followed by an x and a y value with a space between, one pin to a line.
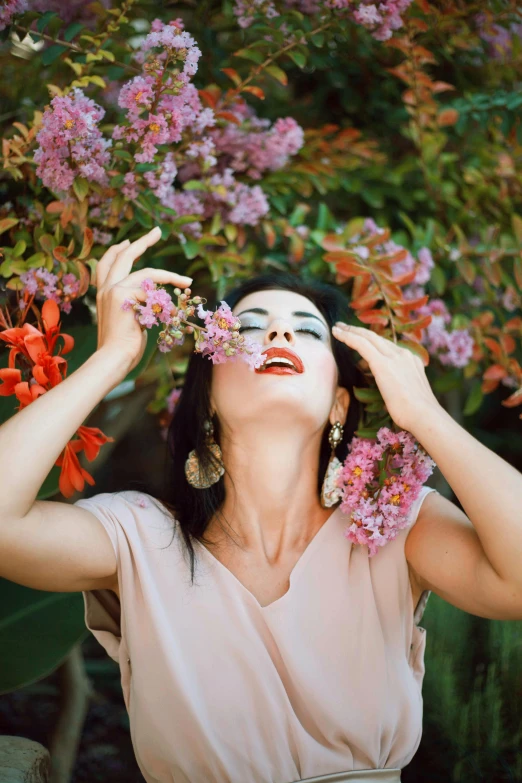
pixel 119 330
pixel 398 372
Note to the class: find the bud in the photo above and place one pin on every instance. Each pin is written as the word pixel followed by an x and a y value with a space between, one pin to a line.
pixel 188 291
pixel 183 297
pixel 196 300
pixel 177 291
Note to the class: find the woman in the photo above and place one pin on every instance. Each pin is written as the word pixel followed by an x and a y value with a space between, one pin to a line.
pixel 291 655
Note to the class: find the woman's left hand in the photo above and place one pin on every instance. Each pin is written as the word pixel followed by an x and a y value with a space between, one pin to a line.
pixel 398 372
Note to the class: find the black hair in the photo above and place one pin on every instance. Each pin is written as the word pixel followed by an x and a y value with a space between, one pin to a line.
pixel 194 508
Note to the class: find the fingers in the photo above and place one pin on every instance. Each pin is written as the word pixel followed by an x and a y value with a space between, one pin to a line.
pixel 357 336
pixel 104 264
pixel 159 276
pixel 122 264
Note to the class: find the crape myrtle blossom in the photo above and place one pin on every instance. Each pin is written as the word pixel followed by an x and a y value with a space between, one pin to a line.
pixel 219 339
pixel 378 482
pixel 70 144
pixel 380 18
pixel 44 285
pixel 10 8
pixel 161 104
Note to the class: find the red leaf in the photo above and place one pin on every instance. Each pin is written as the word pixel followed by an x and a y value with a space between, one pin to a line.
pixel 232 74
pixel 228 115
pixel 374 317
pixel 447 117
pixel 257 91
pixel 87 243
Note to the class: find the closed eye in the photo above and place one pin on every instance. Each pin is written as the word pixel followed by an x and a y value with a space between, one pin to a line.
pixel 308 330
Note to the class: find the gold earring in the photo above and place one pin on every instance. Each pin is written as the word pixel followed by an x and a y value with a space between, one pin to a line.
pixel 198 477
pixel 330 492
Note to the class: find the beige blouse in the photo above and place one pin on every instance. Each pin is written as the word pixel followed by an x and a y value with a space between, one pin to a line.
pixel 219 689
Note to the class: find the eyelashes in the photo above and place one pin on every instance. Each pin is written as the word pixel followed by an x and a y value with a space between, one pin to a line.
pixel 309 330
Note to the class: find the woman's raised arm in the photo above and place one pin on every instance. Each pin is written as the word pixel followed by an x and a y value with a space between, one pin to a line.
pixel 51 545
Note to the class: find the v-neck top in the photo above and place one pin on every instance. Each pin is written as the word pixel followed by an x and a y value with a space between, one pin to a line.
pixel 219 689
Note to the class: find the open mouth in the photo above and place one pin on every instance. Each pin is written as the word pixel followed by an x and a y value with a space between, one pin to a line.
pixel 281 361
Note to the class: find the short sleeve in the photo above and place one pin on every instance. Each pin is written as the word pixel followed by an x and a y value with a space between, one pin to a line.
pixel 414 513
pixel 414 509
pixel 102 607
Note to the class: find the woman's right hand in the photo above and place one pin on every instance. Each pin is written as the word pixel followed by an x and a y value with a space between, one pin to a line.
pixel 119 330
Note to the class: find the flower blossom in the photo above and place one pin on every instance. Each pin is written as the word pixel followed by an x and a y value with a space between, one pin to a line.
pixel 379 508
pixel 10 8
pixel 70 142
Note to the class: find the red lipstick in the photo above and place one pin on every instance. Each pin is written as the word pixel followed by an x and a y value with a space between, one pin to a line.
pixel 286 369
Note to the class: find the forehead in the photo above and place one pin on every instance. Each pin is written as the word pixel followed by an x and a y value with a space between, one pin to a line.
pixel 278 303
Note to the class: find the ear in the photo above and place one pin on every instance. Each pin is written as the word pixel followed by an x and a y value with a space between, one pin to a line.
pixel 340 407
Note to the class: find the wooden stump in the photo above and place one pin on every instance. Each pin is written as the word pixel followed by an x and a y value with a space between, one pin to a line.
pixel 23 761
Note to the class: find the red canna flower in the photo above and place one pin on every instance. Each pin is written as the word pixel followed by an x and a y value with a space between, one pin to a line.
pixel 10 377
pixel 27 393
pixel 72 476
pixel 92 439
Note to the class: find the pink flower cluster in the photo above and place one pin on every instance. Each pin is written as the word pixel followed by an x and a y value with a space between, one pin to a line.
pixel 44 285
pixel 455 348
pixel 498 39
pixel 379 480
pixel 163 107
pixel 219 339
pixel 10 8
pixel 380 18
pixel 161 103
pixel 70 142
pixel 255 147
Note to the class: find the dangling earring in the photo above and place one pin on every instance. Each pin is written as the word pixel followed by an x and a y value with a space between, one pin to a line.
pixel 196 476
pixel 330 492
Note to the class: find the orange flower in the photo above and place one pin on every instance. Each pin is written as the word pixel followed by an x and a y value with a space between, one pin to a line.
pixel 92 439
pixel 10 377
pixel 28 392
pixel 72 476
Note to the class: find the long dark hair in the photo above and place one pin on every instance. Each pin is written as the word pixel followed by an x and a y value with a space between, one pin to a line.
pixel 194 508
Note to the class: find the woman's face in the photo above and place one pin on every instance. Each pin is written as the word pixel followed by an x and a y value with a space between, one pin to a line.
pixel 279 319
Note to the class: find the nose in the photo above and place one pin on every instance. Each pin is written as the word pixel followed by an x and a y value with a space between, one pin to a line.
pixel 279 328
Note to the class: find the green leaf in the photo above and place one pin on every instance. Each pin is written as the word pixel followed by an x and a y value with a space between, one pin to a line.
pixel 438 278
pixel 475 397
pixel 52 53
pixel 81 188
pixel 19 248
pixel 516 222
pixel 367 395
pixel 44 20
pixel 298 58
pixel 277 73
pixel 318 40
pixel 31 619
pixel 250 54
pixel 72 30
pixel 366 433
pixel 123 154
pixel 191 248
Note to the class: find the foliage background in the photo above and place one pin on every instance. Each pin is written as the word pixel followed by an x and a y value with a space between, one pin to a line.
pixel 422 133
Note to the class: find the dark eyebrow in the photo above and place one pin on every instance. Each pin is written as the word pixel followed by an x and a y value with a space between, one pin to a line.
pixel 297 313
